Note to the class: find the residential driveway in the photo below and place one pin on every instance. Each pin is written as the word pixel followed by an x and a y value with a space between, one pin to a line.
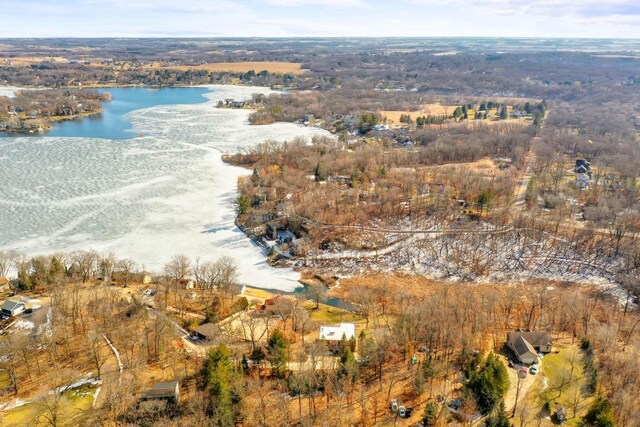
pixel 525 384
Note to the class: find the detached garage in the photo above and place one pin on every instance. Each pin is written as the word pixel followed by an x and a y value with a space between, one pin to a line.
pixel 12 308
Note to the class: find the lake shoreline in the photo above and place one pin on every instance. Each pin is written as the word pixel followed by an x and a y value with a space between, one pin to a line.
pixel 166 193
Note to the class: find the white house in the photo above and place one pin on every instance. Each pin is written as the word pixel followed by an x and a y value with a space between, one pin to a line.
pixel 333 335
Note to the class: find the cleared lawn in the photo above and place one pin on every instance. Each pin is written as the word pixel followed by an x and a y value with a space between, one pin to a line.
pixel 328 315
pixel 73 407
pixel 240 67
pixel 562 370
pixel 485 166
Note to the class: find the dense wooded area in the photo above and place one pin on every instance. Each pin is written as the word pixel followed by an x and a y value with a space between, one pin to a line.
pixel 431 345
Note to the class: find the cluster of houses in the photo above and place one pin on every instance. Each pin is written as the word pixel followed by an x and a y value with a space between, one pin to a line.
pixel 286 241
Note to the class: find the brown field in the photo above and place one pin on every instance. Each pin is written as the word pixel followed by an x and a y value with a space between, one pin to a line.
pixel 495 122
pixel 419 286
pixel 28 60
pixel 485 166
pixel 427 110
pixel 239 67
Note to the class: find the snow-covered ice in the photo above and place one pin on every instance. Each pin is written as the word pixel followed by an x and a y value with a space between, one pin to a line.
pixel 148 198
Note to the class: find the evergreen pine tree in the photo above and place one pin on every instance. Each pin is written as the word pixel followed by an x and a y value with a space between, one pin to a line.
pixel 277 352
pixel 430 415
pixel 503 113
pixel 317 172
pixel 499 418
pixel 600 414
pixel 218 372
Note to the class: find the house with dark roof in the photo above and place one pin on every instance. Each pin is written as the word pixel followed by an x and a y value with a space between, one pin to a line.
pixel 275 227
pixel 527 344
pixel 582 166
pixel 168 391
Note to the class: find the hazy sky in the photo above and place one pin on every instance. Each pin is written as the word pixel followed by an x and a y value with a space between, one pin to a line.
pixel 247 18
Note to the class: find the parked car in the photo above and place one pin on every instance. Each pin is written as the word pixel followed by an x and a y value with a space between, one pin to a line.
pixel 28 311
pixel 408 412
pixel 533 369
pixel 394 405
pixel 402 412
pixel 511 363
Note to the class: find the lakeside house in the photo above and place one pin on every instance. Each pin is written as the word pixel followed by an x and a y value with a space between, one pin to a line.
pixel 300 247
pixel 13 308
pixel 335 336
pixel 285 237
pixel 527 344
pixel 273 228
pixel 260 216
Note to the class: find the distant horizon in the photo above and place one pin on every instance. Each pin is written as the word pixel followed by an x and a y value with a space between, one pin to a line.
pixel 591 19
pixel 313 37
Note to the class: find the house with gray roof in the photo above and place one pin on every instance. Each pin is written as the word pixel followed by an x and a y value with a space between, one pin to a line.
pixel 527 344
pixel 13 308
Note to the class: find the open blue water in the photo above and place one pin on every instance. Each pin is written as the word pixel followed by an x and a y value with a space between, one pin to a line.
pixel 113 122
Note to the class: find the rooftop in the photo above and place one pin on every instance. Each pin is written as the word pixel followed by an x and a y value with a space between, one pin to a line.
pixel 167 389
pixel 335 333
pixel 208 330
pixel 10 305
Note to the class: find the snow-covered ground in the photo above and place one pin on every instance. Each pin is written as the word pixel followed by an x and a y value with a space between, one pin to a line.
pixel 8 91
pixel 478 255
pixel 146 198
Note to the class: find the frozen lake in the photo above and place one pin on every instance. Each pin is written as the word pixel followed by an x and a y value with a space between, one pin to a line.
pixel 146 198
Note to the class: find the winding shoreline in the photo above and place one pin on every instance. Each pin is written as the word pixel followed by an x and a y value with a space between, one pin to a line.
pixel 166 193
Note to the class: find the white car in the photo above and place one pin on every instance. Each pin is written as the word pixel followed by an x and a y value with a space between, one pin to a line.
pixel 402 412
pixel 394 406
